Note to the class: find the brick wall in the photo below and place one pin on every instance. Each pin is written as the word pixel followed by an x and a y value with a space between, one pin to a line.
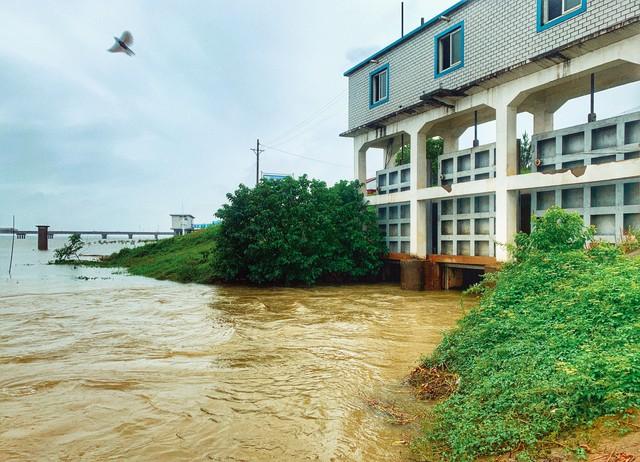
pixel 498 34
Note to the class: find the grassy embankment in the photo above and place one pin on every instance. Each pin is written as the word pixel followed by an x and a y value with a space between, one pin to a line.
pixel 182 259
pixel 553 345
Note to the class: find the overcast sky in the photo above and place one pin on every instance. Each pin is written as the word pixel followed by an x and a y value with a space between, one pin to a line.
pixel 90 139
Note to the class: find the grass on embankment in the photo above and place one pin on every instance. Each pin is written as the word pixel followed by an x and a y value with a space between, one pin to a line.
pixel 182 258
pixel 553 344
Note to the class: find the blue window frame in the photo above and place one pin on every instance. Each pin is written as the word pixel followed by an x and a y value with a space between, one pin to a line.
pixel 553 12
pixel 379 86
pixel 449 50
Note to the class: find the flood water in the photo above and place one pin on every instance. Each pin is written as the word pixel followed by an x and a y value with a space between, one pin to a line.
pixel 99 365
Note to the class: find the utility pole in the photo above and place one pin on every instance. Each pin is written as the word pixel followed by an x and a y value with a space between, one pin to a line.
pixel 257 151
pixel 13 238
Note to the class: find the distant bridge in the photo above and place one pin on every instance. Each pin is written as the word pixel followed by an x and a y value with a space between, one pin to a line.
pixel 21 234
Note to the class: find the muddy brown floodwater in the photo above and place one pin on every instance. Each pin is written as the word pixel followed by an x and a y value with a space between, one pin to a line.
pixel 121 367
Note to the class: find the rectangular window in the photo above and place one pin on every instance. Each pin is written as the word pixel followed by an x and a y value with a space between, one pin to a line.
pixel 379 86
pixel 552 12
pixel 449 50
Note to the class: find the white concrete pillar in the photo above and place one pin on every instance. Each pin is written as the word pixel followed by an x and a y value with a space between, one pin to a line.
pixel 451 142
pixel 506 165
pixel 360 164
pixel 394 145
pixel 542 120
pixel 418 228
pixel 418 161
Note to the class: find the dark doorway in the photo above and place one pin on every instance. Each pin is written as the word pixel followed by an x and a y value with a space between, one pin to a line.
pixel 525 213
pixel 471 277
pixel 434 228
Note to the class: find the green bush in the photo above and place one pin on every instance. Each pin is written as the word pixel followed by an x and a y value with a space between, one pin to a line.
pixel 297 232
pixel 70 249
pixel 555 231
pixel 553 344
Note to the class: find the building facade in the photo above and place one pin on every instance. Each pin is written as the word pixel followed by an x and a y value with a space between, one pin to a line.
pixel 488 60
pixel 181 223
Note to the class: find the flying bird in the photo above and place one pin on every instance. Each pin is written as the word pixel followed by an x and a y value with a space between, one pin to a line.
pixel 122 44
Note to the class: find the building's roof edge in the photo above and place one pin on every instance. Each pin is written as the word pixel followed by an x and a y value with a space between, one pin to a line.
pixel 407 36
pixel 477 82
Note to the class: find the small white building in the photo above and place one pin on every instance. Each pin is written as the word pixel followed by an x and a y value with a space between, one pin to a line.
pixel 181 223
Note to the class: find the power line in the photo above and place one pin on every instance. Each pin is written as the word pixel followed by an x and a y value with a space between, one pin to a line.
pixel 306 157
pixel 13 238
pixel 309 119
pixel 304 129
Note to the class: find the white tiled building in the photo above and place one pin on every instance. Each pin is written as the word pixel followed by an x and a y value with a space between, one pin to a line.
pixel 488 60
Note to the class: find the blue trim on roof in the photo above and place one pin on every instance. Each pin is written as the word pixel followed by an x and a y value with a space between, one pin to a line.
pixel 436 53
pixel 541 26
pixel 372 74
pixel 407 36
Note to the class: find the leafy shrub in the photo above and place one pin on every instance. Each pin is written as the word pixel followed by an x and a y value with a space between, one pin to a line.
pixel 552 345
pixel 630 240
pixel 555 231
pixel 297 232
pixel 70 249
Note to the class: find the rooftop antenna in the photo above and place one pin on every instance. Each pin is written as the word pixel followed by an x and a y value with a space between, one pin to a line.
pixel 401 19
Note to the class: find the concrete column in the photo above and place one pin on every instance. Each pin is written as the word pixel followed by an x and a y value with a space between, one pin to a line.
pixel 451 141
pixel 418 161
pixel 542 120
pixel 418 228
pixel 360 165
pixel 43 237
pixel 506 165
pixel 394 145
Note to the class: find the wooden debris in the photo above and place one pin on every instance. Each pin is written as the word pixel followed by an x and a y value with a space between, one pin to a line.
pixel 398 417
pixel 432 382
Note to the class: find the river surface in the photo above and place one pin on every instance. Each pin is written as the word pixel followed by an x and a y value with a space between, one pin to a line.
pixel 99 365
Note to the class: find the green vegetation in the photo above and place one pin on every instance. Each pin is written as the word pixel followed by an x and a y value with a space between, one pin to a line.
pixel 403 156
pixel 553 344
pixel 182 258
pixel 280 232
pixel 297 232
pixel 526 153
pixel 435 148
pixel 70 249
pixel 631 240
